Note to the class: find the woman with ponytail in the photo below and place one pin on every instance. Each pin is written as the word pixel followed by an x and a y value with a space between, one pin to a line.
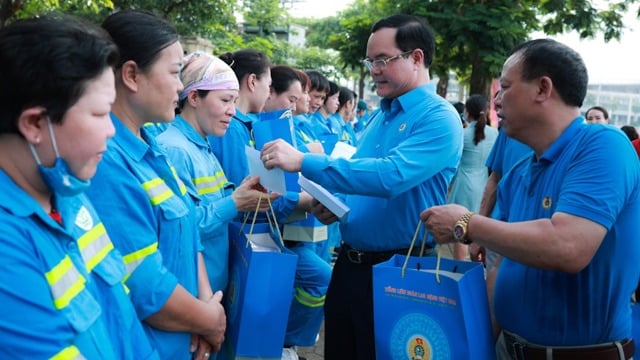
pixel 472 174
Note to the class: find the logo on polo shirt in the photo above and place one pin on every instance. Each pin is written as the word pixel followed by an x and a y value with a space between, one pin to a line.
pixel 402 127
pixel 84 220
pixel 546 203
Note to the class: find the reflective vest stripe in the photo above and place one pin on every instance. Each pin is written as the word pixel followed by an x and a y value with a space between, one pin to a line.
pixel 307 299
pixel 68 353
pixel 183 188
pixel 209 184
pixel 157 190
pixel 305 138
pixel 94 246
pixel 134 259
pixel 65 282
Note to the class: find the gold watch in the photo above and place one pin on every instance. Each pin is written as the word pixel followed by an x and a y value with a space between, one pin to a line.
pixel 460 228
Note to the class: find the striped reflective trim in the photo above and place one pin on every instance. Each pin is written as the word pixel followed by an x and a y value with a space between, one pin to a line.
pixel 209 184
pixel 68 353
pixel 134 259
pixel 65 282
pixel 94 246
pixel 157 190
pixel 307 299
pixel 183 188
pixel 305 138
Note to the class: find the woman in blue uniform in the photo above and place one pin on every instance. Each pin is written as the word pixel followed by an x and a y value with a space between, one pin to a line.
pixel 145 205
pixel 60 275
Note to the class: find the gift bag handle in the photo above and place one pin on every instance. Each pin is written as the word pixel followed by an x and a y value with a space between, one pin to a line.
pixel 424 241
pixel 271 219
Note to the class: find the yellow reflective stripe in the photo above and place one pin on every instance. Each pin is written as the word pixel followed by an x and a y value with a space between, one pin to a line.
pixel 134 259
pixel 157 190
pixel 65 282
pixel 305 138
pixel 209 184
pixel 94 246
pixel 307 299
pixel 68 353
pixel 183 188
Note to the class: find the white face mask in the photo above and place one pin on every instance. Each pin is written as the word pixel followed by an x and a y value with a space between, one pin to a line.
pixel 59 178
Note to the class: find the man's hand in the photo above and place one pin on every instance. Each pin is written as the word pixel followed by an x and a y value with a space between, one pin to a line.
pixel 322 213
pixel 440 220
pixel 281 154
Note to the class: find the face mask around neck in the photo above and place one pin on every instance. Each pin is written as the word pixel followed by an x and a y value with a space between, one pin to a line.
pixel 59 178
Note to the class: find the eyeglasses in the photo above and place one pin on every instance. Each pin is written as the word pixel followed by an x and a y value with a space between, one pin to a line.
pixel 380 64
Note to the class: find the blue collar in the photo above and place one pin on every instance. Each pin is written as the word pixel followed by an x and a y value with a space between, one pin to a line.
pixel 568 135
pixel 190 133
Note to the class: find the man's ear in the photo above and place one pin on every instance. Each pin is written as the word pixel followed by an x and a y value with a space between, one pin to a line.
pixel 32 124
pixel 545 88
pixel 129 75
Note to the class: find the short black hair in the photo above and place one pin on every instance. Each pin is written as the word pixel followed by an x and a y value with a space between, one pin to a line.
pixel 140 36
pixel 318 81
pixel 282 76
pixel 47 61
pixel 563 65
pixel 413 33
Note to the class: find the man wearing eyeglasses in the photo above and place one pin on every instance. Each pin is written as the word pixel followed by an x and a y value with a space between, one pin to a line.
pixel 404 162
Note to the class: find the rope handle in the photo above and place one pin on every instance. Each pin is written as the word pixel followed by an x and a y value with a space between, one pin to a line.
pixel 271 220
pixel 424 241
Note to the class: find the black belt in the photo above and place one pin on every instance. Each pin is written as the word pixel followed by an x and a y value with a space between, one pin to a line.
pixel 375 257
pixel 607 351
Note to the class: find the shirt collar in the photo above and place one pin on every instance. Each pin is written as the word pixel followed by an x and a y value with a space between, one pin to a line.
pixel 134 146
pixel 191 134
pixel 408 100
pixel 568 135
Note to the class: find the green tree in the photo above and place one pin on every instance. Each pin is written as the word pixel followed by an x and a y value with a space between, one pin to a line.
pixel 476 35
pixel 18 9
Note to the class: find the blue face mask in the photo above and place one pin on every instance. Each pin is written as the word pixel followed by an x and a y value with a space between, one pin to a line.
pixel 59 178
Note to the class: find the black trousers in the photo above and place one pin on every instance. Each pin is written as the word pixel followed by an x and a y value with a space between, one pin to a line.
pixel 348 312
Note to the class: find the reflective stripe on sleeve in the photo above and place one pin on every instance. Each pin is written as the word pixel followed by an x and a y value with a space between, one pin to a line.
pixel 157 190
pixel 134 259
pixel 210 184
pixel 65 282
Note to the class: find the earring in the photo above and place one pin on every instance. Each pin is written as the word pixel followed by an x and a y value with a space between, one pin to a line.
pixel 37 140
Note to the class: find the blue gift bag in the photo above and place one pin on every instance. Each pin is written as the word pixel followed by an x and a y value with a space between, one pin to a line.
pixel 277 125
pixel 417 316
pixel 259 294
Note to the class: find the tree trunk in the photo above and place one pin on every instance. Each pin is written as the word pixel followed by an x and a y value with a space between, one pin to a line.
pixel 479 83
pixel 443 86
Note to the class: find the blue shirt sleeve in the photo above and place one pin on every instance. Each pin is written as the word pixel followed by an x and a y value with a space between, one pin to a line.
pixel 115 191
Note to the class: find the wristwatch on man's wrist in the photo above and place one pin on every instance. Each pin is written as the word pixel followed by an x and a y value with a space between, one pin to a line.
pixel 460 228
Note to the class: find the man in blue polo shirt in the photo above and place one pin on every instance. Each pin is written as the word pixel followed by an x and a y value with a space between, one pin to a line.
pixel 567 217
pixel 405 159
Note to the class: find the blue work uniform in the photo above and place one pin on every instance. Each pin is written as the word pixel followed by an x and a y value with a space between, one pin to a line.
pixel 576 175
pixel 344 129
pixel 506 152
pixel 206 183
pixel 404 163
pixel 303 132
pixel 152 221
pixel 61 284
